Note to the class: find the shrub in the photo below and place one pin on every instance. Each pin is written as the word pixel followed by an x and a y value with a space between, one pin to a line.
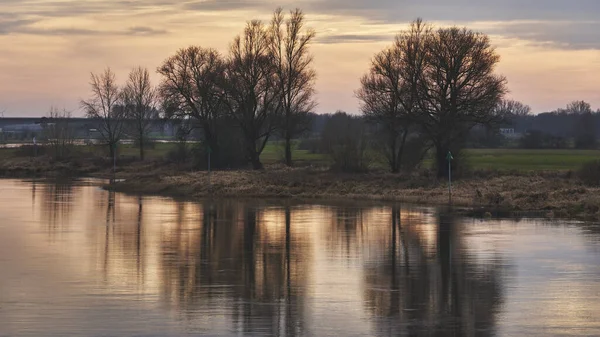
pixel 344 139
pixel 311 145
pixel 30 151
pixel 461 166
pixel 589 173
pixel 178 154
pixel 415 149
pixel 148 143
pixel 229 153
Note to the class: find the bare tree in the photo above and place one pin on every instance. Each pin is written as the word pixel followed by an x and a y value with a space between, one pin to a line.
pixel 458 89
pixel 294 74
pixel 253 96
pixel 192 86
pixel 389 92
pixel 104 106
pixel 58 132
pixel 584 128
pixel 578 108
pixel 512 108
pixel 139 100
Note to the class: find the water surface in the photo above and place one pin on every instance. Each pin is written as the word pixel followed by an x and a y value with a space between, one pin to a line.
pixel 76 260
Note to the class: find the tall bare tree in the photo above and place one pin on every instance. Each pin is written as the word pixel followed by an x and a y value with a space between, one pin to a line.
pixel 192 86
pixel 458 89
pixel 139 101
pixel 389 91
pixel 105 107
pixel 294 74
pixel 253 94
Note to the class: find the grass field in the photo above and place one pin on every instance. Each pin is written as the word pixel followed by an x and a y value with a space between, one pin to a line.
pixel 503 159
pixel 530 159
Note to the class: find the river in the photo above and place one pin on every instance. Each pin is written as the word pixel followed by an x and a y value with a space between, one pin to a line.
pixel 76 260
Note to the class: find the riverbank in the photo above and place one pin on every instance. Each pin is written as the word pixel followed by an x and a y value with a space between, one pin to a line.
pixel 94 167
pixel 553 194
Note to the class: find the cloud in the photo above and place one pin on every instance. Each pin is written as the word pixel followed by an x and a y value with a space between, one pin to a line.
pixel 8 26
pixel 560 34
pixel 460 10
pixel 352 38
pixel 224 5
pixel 562 24
pixel 144 31
pixel 23 27
pixel 565 24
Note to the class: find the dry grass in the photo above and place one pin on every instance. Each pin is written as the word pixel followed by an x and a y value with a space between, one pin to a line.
pixel 555 194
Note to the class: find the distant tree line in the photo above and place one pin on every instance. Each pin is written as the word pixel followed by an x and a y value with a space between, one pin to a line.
pixel 575 126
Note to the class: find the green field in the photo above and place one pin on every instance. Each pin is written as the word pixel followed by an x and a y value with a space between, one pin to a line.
pixel 274 152
pixel 503 159
pixel 518 159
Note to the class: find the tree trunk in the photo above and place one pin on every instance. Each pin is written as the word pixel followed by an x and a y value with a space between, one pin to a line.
pixel 211 139
pixel 441 161
pixel 255 160
pixel 401 150
pixel 394 159
pixel 252 153
pixel 111 150
pixel 141 146
pixel 288 151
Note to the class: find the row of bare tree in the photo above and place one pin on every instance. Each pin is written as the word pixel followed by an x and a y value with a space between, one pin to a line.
pixel 434 83
pixel 129 109
pixel 264 85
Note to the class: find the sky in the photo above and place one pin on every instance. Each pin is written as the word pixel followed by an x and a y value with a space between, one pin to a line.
pixel 550 49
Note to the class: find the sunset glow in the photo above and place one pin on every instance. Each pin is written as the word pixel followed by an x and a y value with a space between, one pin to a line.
pixel 550 50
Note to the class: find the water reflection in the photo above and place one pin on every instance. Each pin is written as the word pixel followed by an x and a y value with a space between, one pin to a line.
pixel 111 264
pixel 413 292
pixel 238 258
pixel 56 202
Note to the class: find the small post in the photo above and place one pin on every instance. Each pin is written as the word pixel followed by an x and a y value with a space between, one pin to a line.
pixel 209 150
pixel 114 161
pixel 34 147
pixel 449 158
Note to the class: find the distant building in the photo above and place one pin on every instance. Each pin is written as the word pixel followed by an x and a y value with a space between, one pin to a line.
pixel 509 133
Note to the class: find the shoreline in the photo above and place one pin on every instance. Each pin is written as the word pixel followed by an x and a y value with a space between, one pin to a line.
pixel 547 194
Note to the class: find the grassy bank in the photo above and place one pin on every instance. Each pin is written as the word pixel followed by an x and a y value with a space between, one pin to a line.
pixel 552 194
pixel 541 181
pixel 479 159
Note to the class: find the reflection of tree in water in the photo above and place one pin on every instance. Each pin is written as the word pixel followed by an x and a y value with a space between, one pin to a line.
pixel 242 258
pixel 412 293
pixel 346 230
pixel 124 255
pixel 56 203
